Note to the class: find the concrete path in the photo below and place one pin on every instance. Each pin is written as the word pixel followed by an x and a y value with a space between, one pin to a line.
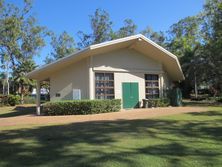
pixel 122 115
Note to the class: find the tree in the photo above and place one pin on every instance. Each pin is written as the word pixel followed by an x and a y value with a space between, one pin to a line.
pixel 157 37
pixel 212 28
pixel 185 35
pixel 2 82
pixel 21 38
pixel 101 28
pixel 62 45
pixel 185 38
pixel 128 29
pixel 19 77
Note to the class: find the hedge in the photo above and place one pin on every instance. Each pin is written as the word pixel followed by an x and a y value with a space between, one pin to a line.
pixel 81 107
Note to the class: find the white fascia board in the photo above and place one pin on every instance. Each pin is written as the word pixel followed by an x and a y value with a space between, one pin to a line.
pixel 116 41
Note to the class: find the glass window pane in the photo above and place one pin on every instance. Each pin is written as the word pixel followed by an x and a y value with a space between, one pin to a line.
pixel 99 76
pixel 154 77
pixel 99 91
pixel 100 97
pixel 104 86
pixel 109 84
pixel 100 84
pixel 109 91
pixel 152 85
pixel 109 76
pixel 155 84
pixel 109 97
pixel 155 91
pixel 149 84
pixel 148 77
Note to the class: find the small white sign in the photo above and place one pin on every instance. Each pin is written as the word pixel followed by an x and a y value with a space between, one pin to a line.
pixel 76 94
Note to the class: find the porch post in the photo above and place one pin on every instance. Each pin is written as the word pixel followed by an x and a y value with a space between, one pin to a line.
pixel 161 84
pixel 91 78
pixel 38 92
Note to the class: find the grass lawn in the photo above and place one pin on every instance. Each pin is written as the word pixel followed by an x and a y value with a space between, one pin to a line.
pixel 191 140
pixel 16 111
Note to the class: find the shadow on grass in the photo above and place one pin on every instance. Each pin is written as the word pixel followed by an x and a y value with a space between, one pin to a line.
pixel 208 113
pixel 99 143
pixel 19 111
pixel 200 103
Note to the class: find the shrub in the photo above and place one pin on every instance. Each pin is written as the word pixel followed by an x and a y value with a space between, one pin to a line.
pixel 12 100
pixel 163 102
pixel 81 107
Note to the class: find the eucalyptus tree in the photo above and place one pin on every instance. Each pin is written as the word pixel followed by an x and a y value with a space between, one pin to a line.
pixel 129 28
pixel 62 46
pixel 157 37
pixel 212 30
pixel 21 38
pixel 101 26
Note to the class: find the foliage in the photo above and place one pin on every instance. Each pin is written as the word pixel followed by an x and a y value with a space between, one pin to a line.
pixel 197 41
pixel 21 38
pixel 157 37
pixel 101 27
pixel 185 42
pixel 23 84
pixel 13 100
pixel 212 29
pixel 62 45
pixel 161 102
pixel 3 100
pixel 128 29
pixel 185 35
pixel 81 107
pixel 2 82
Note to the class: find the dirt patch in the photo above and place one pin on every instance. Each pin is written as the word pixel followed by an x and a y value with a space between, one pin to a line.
pixel 122 115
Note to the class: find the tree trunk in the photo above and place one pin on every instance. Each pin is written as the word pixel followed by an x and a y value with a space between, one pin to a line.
pixel 7 78
pixel 22 95
pixel 195 85
pixel 3 88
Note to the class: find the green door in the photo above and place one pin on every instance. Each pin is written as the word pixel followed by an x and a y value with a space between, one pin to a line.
pixel 130 95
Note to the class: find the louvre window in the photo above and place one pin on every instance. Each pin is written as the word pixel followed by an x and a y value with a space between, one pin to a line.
pixel 104 85
pixel 152 86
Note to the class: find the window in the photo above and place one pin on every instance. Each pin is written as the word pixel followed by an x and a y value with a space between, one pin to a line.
pixel 152 86
pixel 104 85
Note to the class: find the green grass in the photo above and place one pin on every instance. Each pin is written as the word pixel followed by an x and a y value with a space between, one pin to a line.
pixel 191 140
pixel 6 112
